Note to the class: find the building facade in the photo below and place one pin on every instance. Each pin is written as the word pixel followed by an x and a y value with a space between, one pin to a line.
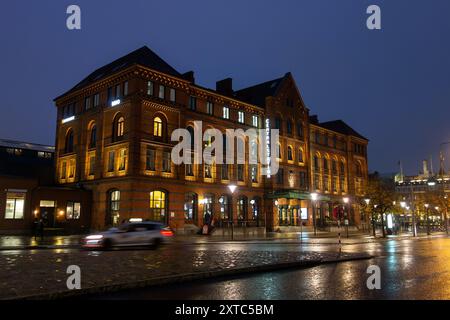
pixel 28 192
pixel 114 133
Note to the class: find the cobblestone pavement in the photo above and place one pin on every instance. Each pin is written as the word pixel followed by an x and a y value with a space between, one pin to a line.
pixel 37 272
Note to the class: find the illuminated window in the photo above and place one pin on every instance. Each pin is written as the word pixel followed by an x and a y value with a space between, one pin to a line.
pixel 15 204
pixel 208 171
pixel 158 205
pixel 73 210
pixel 71 168
pixel 290 155
pixel 157 127
pixel 91 165
pixel 114 207
pixel 226 112
pixel 224 202
pixel 300 155
pixel 224 171
pixel 241 117
pixel 255 121
pixel 63 169
pixel 118 127
pixel 122 159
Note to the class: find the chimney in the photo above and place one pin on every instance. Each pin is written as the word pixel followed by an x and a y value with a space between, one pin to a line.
pixel 189 76
pixel 314 119
pixel 225 87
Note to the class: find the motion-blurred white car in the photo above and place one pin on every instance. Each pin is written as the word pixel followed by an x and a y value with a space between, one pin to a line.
pixel 150 234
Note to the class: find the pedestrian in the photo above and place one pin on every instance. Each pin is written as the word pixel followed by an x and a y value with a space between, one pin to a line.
pixel 35 228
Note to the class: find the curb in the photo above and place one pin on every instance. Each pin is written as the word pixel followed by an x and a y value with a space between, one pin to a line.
pixel 187 277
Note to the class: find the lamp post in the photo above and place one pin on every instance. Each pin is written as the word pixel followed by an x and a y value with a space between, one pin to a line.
pixel 314 197
pixel 403 206
pixel 232 188
pixel 446 214
pixel 346 201
pixel 428 221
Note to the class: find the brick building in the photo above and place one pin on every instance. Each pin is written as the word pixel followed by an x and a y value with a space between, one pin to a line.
pixel 114 138
pixel 28 192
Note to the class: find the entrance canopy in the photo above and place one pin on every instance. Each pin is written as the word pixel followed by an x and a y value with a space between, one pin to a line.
pixel 294 194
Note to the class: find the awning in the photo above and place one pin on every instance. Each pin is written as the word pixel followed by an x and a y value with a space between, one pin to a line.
pixel 294 194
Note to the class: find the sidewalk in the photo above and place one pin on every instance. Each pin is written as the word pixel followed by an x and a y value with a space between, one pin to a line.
pixel 42 275
pixel 322 238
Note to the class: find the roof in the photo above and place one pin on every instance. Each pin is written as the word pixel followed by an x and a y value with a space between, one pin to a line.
pixel 143 56
pixel 25 145
pixel 341 127
pixel 257 94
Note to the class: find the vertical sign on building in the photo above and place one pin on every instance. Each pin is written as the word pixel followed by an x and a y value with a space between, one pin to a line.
pixel 268 172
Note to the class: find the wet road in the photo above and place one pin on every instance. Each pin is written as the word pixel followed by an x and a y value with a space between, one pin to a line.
pixel 410 269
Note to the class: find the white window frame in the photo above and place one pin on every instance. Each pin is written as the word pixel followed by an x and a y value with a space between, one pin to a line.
pixel 226 112
pixel 241 117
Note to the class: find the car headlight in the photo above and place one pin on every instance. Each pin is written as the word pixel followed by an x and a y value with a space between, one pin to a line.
pixel 94 237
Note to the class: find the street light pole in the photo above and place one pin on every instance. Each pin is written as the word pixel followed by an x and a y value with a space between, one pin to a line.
pixel 346 214
pixel 232 188
pixel 314 197
pixel 428 220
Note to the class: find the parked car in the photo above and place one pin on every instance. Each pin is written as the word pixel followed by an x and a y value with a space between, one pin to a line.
pixel 150 234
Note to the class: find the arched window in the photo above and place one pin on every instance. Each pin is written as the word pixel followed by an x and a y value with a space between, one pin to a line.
pixel 118 127
pixel 300 155
pixel 158 206
pixel 157 127
pixel 190 207
pixel 93 137
pixel 279 151
pixel 68 148
pixel 224 202
pixel 208 202
pixel 242 205
pixel 112 217
pixel 255 203
pixel 290 155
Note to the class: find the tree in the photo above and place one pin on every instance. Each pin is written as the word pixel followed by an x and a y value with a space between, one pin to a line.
pixel 382 196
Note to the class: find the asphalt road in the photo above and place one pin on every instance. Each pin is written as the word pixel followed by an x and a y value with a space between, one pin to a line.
pixel 410 269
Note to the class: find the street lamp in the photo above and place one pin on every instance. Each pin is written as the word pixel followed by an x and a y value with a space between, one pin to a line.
pixel 232 188
pixel 346 215
pixel 314 197
pixel 428 221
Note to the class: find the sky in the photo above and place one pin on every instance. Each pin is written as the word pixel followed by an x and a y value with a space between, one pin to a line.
pixel 391 85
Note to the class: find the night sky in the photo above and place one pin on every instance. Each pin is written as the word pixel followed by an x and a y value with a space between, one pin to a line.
pixel 393 85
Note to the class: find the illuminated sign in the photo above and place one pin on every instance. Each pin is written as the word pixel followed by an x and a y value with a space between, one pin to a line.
pixel 68 119
pixel 115 102
pixel 304 213
pixel 268 148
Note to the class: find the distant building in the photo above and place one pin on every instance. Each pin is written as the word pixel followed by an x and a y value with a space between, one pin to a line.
pixel 113 138
pixel 28 191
